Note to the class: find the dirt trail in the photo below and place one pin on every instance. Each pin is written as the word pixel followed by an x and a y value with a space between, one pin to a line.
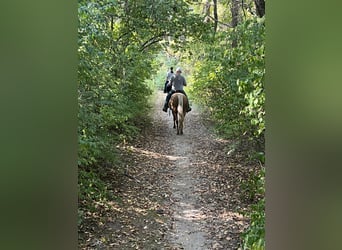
pixel 193 213
pixel 188 223
pixel 178 191
pixel 188 218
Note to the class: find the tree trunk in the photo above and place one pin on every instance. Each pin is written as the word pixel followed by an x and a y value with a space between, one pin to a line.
pixel 260 7
pixel 235 18
pixel 215 15
pixel 235 12
pixel 206 11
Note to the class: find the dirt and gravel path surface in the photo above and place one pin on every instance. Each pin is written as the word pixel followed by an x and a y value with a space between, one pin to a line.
pixel 176 191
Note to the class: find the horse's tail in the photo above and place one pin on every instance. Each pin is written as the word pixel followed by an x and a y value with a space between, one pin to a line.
pixel 180 109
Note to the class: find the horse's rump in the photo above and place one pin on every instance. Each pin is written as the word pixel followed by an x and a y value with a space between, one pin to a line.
pixel 178 104
pixel 174 101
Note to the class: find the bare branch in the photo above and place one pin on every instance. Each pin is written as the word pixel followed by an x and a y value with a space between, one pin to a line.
pixel 224 24
pixel 243 8
pixel 152 41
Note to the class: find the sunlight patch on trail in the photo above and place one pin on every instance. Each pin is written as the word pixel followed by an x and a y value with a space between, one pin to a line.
pixel 155 154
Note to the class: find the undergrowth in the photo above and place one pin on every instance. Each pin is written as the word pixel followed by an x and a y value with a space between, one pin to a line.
pixel 254 191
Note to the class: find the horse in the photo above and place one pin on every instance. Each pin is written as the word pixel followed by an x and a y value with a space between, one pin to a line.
pixel 178 104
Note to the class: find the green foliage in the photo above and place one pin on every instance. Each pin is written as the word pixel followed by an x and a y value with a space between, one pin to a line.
pixel 254 190
pixel 230 80
pixel 254 237
pixel 112 93
pixel 254 187
pixel 91 191
pixel 91 187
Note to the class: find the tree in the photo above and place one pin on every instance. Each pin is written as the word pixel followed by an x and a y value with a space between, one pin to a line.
pixel 235 18
pixel 215 15
pixel 260 7
pixel 206 11
pixel 235 12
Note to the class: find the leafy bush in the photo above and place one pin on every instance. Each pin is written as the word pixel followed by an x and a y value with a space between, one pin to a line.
pixel 254 237
pixel 91 187
pixel 254 190
pixel 230 80
pixel 254 187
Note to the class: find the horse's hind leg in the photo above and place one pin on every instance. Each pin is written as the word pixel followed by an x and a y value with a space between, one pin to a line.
pixel 177 127
pixel 181 127
pixel 174 119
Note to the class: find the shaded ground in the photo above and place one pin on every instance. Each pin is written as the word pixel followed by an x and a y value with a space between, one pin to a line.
pixel 177 192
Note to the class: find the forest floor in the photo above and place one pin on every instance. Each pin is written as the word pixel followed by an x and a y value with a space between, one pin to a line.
pixel 176 191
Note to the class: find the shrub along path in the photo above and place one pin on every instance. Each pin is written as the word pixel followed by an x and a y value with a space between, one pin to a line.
pixel 175 192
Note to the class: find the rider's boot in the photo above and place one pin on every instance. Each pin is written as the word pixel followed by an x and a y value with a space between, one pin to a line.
pixel 165 107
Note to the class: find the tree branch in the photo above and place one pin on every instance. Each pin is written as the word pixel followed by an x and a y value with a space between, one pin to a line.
pixel 224 24
pixel 152 41
pixel 243 8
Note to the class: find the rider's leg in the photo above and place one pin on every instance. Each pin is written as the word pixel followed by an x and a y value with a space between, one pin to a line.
pixel 165 87
pixel 189 109
pixel 168 97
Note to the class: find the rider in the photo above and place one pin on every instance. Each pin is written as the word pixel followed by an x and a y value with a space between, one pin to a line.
pixel 177 82
pixel 168 78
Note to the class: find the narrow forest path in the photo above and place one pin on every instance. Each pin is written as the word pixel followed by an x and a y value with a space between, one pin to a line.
pixel 178 192
pixel 199 219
